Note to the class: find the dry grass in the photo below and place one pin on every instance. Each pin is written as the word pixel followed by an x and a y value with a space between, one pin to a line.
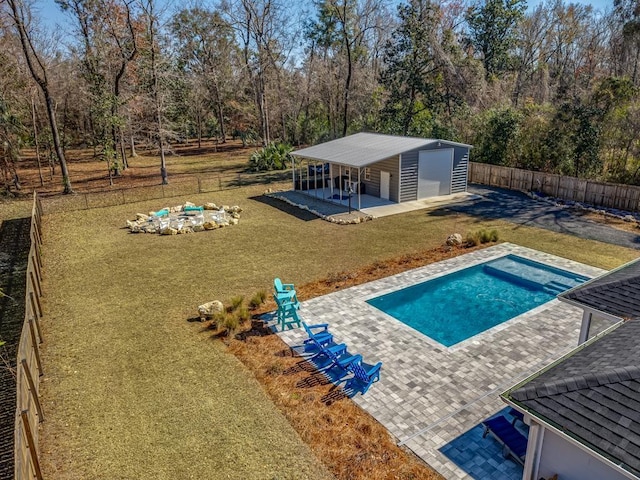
pixel 130 383
pixel 135 391
pixel 350 442
pixel 358 447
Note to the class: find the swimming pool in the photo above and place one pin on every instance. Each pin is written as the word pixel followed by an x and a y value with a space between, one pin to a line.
pixel 457 306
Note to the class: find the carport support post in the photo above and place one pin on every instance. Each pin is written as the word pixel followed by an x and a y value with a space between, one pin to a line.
pixel 585 327
pixel 359 173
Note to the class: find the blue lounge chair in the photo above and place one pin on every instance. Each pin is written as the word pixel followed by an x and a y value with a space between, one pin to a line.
pixel 364 375
pixel 320 337
pixel 517 415
pixel 285 291
pixel 287 313
pixel 332 361
pixel 513 442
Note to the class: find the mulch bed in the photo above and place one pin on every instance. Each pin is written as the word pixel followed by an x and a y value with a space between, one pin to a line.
pixel 14 252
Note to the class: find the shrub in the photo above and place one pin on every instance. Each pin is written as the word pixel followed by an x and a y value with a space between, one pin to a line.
pixel 481 237
pixel 275 156
pixel 257 300
pixel 243 315
pixel 236 302
pixel 230 324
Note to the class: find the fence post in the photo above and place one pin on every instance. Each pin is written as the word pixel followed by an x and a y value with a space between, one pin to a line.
pixel 35 346
pixel 34 392
pixel 36 267
pixel 31 444
pixel 36 248
pixel 199 185
pixel 35 285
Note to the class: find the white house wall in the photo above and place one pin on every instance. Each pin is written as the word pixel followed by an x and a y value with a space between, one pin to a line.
pixel 571 462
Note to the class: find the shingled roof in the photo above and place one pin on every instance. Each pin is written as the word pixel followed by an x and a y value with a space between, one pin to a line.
pixel 593 395
pixel 616 293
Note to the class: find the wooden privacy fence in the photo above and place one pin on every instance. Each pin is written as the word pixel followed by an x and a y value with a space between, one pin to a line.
pixel 181 185
pixel 602 194
pixel 29 366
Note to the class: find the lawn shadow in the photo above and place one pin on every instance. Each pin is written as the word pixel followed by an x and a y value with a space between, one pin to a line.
pixel 285 207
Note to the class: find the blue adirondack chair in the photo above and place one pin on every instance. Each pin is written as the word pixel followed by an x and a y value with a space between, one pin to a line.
pixel 320 337
pixel 332 361
pixel 287 313
pixel 285 291
pixel 364 375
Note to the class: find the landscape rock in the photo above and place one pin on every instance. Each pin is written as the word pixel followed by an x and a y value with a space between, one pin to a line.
pixel 207 310
pixel 233 221
pixel 209 225
pixel 198 228
pixel 235 209
pixel 142 217
pixel 169 231
pixel 210 206
pixel 454 240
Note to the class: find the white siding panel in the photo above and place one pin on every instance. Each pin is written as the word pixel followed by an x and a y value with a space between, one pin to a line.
pixel 571 462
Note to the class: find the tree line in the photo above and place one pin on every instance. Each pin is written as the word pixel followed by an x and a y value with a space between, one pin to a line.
pixel 553 87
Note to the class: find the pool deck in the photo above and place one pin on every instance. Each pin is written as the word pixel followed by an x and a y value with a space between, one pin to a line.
pixel 432 398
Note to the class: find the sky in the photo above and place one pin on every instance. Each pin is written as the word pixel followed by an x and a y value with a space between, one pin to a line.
pixel 55 19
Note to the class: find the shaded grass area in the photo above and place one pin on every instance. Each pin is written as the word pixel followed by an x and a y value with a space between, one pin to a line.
pixel 133 390
pixel 14 252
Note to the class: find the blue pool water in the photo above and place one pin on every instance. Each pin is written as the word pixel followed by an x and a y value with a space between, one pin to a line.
pixel 457 306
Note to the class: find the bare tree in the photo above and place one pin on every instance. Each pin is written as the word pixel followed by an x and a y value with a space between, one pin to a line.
pixel 20 13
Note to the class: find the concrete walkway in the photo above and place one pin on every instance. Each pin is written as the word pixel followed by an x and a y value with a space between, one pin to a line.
pixel 516 207
pixel 433 398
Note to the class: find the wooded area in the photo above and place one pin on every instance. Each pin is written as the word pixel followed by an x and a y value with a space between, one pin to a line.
pixel 552 88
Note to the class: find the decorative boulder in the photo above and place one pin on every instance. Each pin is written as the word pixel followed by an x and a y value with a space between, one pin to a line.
pixel 169 231
pixel 454 240
pixel 142 216
pixel 233 221
pixel 210 206
pixel 209 225
pixel 207 310
pixel 189 204
pixel 225 208
pixel 198 228
pixel 235 215
pixel 235 209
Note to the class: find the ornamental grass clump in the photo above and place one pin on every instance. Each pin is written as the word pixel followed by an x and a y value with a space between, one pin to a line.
pixel 257 300
pixel 480 237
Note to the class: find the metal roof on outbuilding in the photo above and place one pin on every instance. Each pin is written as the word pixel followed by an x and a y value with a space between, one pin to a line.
pixel 363 149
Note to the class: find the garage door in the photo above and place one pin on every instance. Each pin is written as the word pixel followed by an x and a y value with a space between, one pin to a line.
pixel 434 172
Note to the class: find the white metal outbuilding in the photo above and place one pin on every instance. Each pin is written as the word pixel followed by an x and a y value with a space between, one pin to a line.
pixel 398 169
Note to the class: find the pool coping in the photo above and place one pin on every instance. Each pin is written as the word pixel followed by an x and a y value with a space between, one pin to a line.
pixel 429 394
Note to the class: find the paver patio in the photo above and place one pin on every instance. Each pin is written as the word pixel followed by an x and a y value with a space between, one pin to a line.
pixel 430 395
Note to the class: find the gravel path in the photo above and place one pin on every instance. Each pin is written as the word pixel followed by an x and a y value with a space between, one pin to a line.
pixel 516 207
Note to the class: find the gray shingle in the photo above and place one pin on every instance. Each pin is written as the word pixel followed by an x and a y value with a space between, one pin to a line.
pixel 616 293
pixel 593 395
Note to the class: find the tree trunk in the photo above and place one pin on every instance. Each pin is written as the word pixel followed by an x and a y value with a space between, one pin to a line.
pixel 31 56
pixel 66 181
pixel 35 140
